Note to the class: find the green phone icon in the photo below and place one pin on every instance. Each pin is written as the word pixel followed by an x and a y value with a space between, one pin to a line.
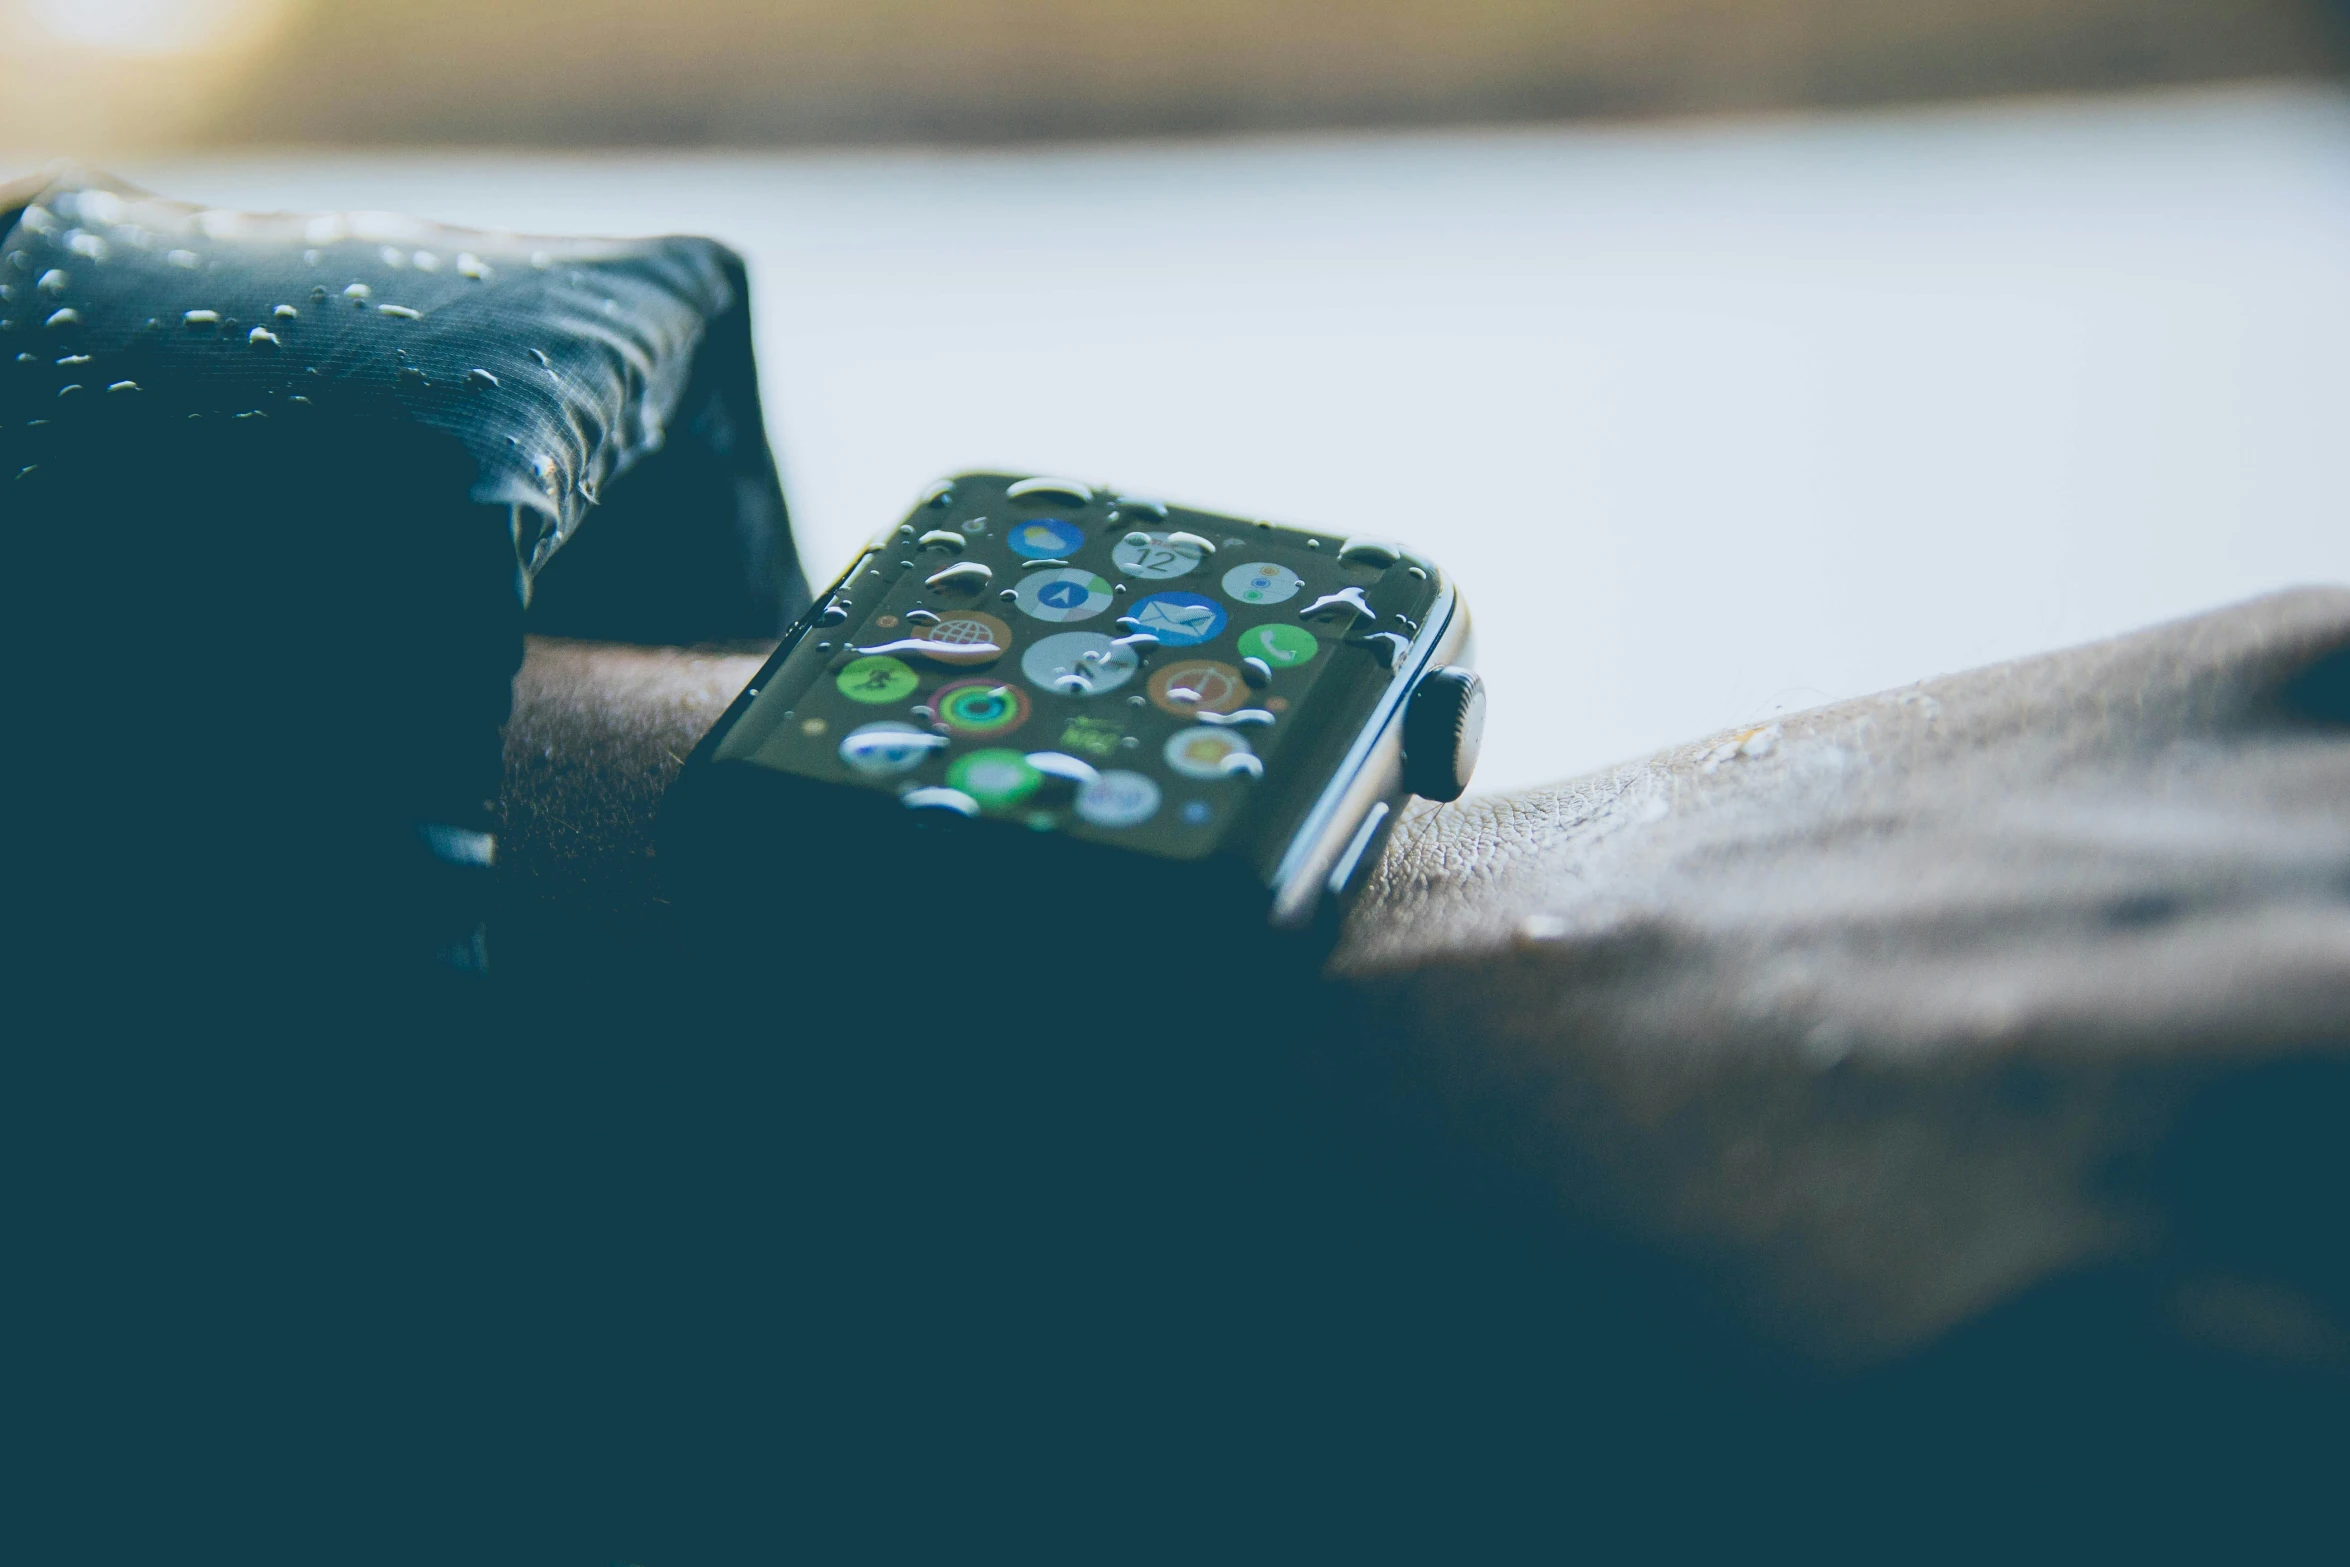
pixel 1282 646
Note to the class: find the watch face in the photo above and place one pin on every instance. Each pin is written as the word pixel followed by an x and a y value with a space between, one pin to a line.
pixel 1170 681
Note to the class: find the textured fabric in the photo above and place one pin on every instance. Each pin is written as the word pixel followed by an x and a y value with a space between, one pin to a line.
pixel 274 493
pixel 557 365
pixel 1892 1010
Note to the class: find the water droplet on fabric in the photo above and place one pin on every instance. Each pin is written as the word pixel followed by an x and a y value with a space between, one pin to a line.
pixel 479 379
pixel 74 359
pixel 263 338
pixel 426 261
pixel 399 312
pixel 358 293
pixel 53 282
pixel 124 386
pixel 391 256
pixel 86 244
pixel 67 391
pixel 60 320
pixel 472 266
pixel 186 259
pixel 285 312
pixel 411 376
pixel 310 258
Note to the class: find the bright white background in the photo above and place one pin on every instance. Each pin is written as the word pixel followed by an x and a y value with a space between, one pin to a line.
pixel 1709 420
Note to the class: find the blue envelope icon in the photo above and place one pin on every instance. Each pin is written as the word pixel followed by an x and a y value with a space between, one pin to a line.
pixel 1180 619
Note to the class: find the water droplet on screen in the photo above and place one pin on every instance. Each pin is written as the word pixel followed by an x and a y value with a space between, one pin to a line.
pixel 1140 541
pixel 1056 489
pixel 1007 595
pixel 1191 541
pixel 1240 764
pixel 1256 672
pixel 1369 552
pixel 935 799
pixel 479 379
pixel 922 617
pixel 940 494
pixel 942 539
pixel 1349 600
pixel 833 615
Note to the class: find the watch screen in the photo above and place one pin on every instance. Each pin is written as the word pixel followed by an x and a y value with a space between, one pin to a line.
pixel 1076 662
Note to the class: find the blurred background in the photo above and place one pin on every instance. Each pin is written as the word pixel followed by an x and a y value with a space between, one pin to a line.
pixel 1736 354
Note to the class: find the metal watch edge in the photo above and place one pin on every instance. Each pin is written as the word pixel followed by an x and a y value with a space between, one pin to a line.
pixel 1372 771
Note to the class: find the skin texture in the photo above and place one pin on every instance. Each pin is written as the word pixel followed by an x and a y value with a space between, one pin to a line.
pixel 1879 1017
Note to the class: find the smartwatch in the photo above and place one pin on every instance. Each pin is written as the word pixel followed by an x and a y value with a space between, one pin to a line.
pixel 1040 691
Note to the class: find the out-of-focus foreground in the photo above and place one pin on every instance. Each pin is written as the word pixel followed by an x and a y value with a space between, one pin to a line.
pixel 101 75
